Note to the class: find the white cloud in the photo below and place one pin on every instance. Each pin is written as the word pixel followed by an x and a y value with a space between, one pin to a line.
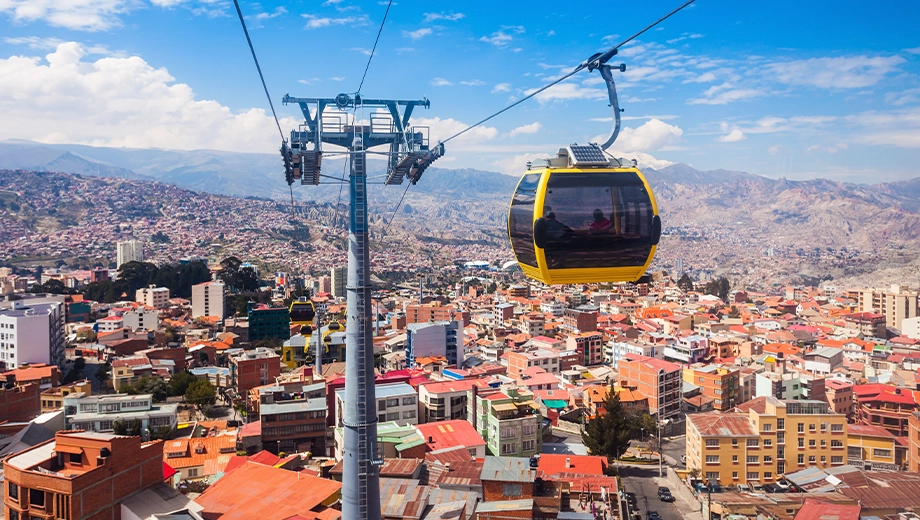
pixel 78 15
pixel 316 22
pixel 501 87
pixel 441 129
pixel 735 135
pixel 532 128
pixel 337 78
pixel 843 72
pixel 116 101
pixel 166 3
pixel 403 50
pixel 653 135
pixel 564 91
pixel 706 77
pixel 516 29
pixel 498 39
pixel 34 42
pixel 451 17
pixel 903 97
pixel 724 94
pixel 517 164
pixel 775 150
pixel 609 38
pixel 473 83
pixel 274 14
pixel 417 34
pixel 913 50
pixel 361 50
pixel 441 82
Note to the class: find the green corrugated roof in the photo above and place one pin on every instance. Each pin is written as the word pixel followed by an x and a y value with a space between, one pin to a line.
pixel 555 403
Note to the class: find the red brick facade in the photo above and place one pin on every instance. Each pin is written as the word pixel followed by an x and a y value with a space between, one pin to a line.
pixel 20 403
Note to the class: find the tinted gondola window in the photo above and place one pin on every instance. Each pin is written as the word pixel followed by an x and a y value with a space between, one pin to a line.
pixel 600 220
pixel 520 220
pixel 301 312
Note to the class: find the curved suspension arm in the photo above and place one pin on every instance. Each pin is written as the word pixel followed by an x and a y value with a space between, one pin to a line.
pixel 604 69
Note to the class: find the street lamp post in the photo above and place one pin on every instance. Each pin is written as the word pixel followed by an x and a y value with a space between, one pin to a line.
pixel 661 448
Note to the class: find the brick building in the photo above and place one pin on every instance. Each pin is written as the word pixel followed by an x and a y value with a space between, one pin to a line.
pixel 80 476
pixel 658 379
pixel 717 383
pixel 19 403
pixel 589 346
pixel 252 368
pixel 582 319
pixel 520 361
pixel 434 311
pixel 293 417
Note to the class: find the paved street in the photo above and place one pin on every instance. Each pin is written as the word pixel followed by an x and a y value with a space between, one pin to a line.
pixel 641 480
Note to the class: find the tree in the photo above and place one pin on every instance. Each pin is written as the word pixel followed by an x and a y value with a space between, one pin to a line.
pixel 734 313
pixel 104 372
pixel 608 435
pixel 685 283
pixel 153 385
pixel 136 275
pixel 159 238
pixel 180 382
pixel 79 364
pixel 201 393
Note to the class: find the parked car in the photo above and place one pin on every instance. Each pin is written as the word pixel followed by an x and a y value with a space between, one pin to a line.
pixel 683 459
pixel 631 499
pixel 653 515
pixel 755 486
pixel 742 488
pixel 773 488
pixel 664 494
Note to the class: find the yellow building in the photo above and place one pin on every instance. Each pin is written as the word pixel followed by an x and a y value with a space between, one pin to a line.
pixel 53 398
pixel 873 446
pixel 763 439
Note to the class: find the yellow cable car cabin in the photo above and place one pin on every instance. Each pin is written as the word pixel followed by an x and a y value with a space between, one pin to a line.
pixel 302 313
pixel 582 218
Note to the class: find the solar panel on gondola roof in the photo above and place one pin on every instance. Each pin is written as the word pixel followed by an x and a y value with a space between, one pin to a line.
pixel 587 154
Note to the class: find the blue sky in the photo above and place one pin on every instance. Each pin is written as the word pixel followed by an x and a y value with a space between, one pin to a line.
pixel 789 88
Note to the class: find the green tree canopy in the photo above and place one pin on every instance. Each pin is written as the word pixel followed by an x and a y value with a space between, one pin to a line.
pixel 148 385
pixel 201 392
pixel 180 382
pixel 608 435
pixel 685 283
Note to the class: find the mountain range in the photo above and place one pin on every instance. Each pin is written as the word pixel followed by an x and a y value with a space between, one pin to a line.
pixel 473 204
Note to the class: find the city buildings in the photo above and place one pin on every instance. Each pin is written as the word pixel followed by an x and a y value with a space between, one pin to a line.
pixel 520 361
pixel 19 403
pixel 446 400
pixel 153 296
pixel 719 383
pixel 80 476
pixel 32 332
pixel 868 324
pixel 434 311
pixel 588 345
pixel 293 417
pixel 658 379
pixel 508 420
pixel 252 368
pixel 52 399
pixel 437 339
pixel 765 438
pixel 129 251
pixel 120 413
pixel 269 323
pixel 883 405
pixel 208 299
pixel 339 278
pixel 396 402
pixel 896 304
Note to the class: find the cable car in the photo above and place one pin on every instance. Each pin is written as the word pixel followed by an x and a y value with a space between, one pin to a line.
pixel 583 218
pixel 302 313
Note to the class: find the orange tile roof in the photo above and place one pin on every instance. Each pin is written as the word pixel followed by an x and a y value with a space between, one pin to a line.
pixel 257 491
pixel 32 372
pixel 195 452
pixel 444 434
pixel 555 463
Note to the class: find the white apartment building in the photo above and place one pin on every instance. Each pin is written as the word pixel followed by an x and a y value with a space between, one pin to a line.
pixel 396 402
pixel 129 251
pixel 553 307
pixel 153 296
pixel 339 276
pixel 101 413
pixel 208 299
pixel 32 333
pixel 141 318
pixel 898 303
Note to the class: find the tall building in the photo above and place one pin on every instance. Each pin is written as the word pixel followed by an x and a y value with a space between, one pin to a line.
pixel 129 251
pixel 658 379
pixel 432 339
pixel 269 322
pixel 434 311
pixel 764 439
pixel 153 296
pixel 32 333
pixel 252 368
pixel 339 277
pixel 208 299
pixel 80 476
pixel 717 383
pixel 897 304
pixel 508 420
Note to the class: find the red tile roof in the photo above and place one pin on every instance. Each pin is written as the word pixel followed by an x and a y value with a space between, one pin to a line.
pixel 555 463
pixel 257 491
pixel 444 434
pixel 868 430
pixel 717 424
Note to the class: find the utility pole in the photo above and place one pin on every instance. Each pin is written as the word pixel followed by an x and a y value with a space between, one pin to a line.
pixel 408 157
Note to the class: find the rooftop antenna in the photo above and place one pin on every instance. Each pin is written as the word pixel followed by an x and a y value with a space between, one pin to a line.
pixel 408 156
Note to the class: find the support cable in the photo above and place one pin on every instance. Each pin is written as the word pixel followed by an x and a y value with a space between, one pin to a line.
pixel 369 58
pixel 258 68
pixel 591 63
pixel 393 217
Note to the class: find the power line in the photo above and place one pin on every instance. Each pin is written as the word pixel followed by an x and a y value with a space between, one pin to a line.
pixel 393 217
pixel 369 58
pixel 258 68
pixel 591 63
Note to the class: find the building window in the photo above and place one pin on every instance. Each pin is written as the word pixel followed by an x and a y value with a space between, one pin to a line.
pixel 409 414
pixel 801 427
pixel 712 443
pixel 767 459
pixel 836 444
pixel 408 401
pixel 836 460
pixel 801 442
pixel 712 476
pixel 823 459
pixel 529 445
pixel 753 443
pixel 13 514
pixel 529 429
pixel 13 491
pixel 734 442
pixel 734 475
pixel 767 443
pixel 811 427
pixel 508 448
pixel 812 459
pixel 836 428
pixel 768 427
pixel 37 498
pixel 381 405
pixel 76 458
pixel 511 490
pixel 753 475
pixel 801 459
pixel 753 459
pixel 823 443
pixel 811 443
pixel 734 458
pixel 712 459
pixel 193 472
pixel 881 453
pixel 781 424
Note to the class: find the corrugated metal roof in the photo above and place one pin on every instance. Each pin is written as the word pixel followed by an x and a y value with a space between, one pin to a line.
pixel 507 469
pixel 717 424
